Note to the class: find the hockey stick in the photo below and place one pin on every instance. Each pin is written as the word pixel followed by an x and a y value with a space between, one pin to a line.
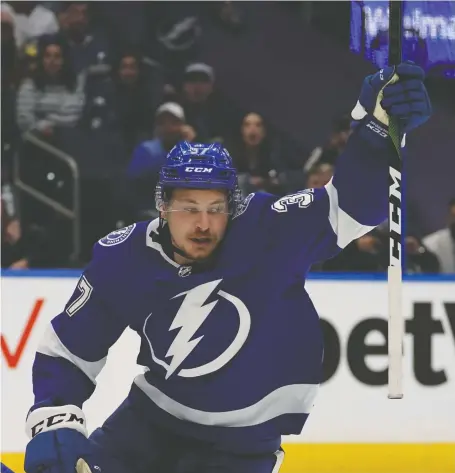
pixel 394 274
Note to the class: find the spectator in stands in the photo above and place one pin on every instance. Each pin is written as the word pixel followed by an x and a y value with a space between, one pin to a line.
pixel 341 130
pixel 319 175
pixel 254 157
pixel 138 96
pixel 21 248
pixel 442 242
pixel 89 48
pixel 149 156
pixel 8 45
pixel 7 18
pixel 31 20
pixel 125 100
pixel 9 133
pixel 203 107
pixel 366 254
pixel 229 14
pixel 13 255
pixel 54 97
pixel 418 258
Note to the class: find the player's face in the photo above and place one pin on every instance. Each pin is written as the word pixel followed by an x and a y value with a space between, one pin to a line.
pixel 197 220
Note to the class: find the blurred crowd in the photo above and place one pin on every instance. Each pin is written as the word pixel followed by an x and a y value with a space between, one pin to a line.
pixel 94 94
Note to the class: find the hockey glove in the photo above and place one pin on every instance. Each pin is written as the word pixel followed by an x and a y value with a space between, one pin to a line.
pixel 395 91
pixel 58 440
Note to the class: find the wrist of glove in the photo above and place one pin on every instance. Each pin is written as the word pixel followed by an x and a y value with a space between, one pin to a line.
pixel 58 441
pixel 394 91
pixel 46 419
pixel 372 94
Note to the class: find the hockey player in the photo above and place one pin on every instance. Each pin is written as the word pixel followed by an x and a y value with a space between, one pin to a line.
pixel 215 287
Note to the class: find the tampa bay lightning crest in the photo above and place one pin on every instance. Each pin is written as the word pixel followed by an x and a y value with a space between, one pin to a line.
pixel 207 329
pixel 117 236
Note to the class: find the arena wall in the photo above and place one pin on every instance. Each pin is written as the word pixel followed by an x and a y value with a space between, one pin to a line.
pixel 353 427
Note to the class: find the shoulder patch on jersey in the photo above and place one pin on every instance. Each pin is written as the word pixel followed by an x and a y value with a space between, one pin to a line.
pixel 241 208
pixel 117 236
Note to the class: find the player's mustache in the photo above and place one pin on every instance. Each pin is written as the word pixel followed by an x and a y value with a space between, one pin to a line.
pixel 201 235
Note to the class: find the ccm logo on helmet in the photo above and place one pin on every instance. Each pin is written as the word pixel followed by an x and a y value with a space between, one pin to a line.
pixel 191 169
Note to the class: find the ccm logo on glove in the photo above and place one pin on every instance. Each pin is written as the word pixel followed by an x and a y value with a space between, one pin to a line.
pixel 52 418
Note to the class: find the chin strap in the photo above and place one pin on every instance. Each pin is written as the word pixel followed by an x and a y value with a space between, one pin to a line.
pixel 166 241
pixel 180 252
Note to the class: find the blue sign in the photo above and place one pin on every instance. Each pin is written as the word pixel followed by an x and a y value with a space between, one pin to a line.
pixel 428 33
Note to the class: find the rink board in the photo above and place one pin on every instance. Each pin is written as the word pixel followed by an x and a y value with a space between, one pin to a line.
pixel 346 458
pixel 353 427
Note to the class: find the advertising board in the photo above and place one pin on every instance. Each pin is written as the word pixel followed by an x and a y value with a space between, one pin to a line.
pixel 352 413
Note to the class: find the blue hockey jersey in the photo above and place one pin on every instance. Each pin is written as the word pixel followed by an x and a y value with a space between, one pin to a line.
pixel 233 353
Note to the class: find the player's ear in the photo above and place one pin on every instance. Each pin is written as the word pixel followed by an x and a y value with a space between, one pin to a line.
pixel 162 210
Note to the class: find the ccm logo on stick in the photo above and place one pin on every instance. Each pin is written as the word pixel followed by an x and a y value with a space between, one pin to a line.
pixel 191 169
pixel 395 219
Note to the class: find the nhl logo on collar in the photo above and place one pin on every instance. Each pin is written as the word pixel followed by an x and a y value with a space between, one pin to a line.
pixel 185 271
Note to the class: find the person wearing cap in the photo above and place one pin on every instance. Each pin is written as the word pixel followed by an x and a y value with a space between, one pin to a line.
pixel 203 108
pixel 198 83
pixel 149 156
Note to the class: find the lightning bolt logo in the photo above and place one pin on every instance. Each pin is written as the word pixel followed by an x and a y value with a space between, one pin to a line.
pixel 190 316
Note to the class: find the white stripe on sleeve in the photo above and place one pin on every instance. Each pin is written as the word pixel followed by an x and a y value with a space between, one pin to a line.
pixel 344 226
pixel 51 345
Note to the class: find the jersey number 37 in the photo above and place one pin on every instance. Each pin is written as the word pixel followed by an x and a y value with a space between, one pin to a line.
pixel 85 289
